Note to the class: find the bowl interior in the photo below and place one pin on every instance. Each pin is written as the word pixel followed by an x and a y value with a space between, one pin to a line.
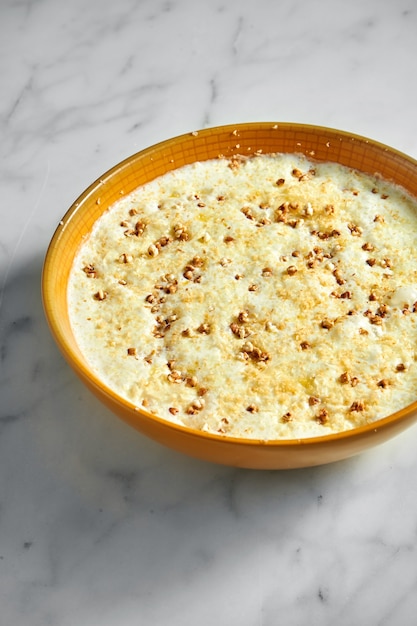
pixel 318 143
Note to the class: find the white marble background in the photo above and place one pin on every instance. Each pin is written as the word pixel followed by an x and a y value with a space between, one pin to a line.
pixel 98 525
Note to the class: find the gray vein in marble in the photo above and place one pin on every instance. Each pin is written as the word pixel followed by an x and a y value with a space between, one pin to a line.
pixel 237 36
pixel 25 90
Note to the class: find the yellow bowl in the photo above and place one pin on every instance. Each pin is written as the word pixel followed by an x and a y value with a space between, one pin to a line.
pixel 322 144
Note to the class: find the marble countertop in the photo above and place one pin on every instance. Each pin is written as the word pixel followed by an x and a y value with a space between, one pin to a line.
pixel 99 525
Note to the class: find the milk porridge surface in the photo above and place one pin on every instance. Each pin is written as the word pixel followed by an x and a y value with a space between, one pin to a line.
pixel 264 297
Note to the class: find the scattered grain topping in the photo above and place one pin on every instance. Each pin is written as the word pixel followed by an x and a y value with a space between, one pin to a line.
pixel 313 400
pixel 383 383
pixel 376 319
pixel 291 270
pixel 293 223
pixel 125 258
pixel 355 230
pixel 247 213
pixel 357 406
pixel 195 407
pixel 339 278
pixel 382 310
pixel 204 329
pixel 344 378
pixel 163 241
pixel 400 367
pixel 100 295
pixel 180 232
pixel 191 381
pixel 348 379
pixel 252 408
pixel 153 250
pixel 197 261
pixel 322 416
pixel 243 317
pixel 287 417
pixel 327 323
pixel 304 345
pixel 368 247
pixel 325 235
pixel 148 357
pixel 240 331
pixel 90 270
pixel 175 376
pixel 253 353
pixel 308 209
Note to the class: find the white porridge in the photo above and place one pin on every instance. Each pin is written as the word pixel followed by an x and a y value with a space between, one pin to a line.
pixel 266 297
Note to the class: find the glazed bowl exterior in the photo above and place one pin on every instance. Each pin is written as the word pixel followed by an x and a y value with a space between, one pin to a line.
pixel 317 143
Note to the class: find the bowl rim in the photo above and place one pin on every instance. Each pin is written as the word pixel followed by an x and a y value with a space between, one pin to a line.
pixel 95 382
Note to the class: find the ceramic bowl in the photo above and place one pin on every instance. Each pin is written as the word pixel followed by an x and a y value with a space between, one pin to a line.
pixel 321 144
